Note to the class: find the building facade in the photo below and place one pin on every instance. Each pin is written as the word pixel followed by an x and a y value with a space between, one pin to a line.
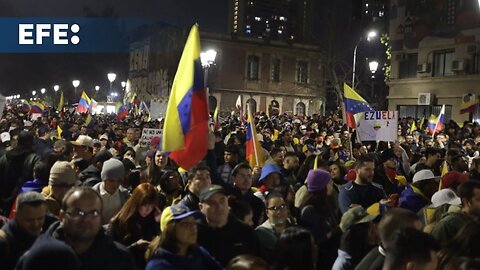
pixel 435 56
pixel 271 76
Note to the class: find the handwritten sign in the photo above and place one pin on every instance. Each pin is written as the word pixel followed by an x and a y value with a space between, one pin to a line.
pixel 148 134
pixel 377 126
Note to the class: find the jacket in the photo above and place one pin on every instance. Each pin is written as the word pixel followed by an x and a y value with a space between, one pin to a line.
pixel 16 242
pixel 191 200
pixel 90 176
pixel 225 243
pixel 198 259
pixel 352 193
pixel 104 253
pixel 16 167
pixel 268 239
pixel 449 225
pixel 411 200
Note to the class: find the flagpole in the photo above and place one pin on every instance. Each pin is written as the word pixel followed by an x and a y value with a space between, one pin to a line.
pixel 254 135
pixel 344 115
pixel 438 120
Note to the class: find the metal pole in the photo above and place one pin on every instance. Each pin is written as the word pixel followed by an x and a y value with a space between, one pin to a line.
pixel 354 63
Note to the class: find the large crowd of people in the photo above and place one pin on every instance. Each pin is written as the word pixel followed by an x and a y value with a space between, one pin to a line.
pixel 78 195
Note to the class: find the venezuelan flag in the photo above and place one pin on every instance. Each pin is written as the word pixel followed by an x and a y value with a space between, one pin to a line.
pixel 25 106
pixel 469 106
pixel 185 132
pixel 354 104
pixel 435 124
pixel 253 153
pixel 60 103
pixel 84 103
pixel 122 110
pixel 37 107
pixel 413 128
pixel 89 121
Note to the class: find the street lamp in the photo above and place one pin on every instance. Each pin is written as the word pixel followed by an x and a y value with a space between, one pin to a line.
pixel 111 78
pixel 123 85
pixel 56 88
pixel 43 91
pixel 75 84
pixel 97 88
pixel 34 93
pixel 208 59
pixel 373 65
pixel 370 36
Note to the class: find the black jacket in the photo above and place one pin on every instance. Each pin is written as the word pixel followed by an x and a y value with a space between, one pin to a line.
pixel 191 200
pixel 16 167
pixel 104 253
pixel 16 243
pixel 225 243
pixel 90 176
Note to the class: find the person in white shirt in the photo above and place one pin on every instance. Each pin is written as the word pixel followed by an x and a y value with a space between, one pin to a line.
pixel 110 190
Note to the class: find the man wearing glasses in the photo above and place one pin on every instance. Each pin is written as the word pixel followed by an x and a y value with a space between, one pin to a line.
pixel 80 227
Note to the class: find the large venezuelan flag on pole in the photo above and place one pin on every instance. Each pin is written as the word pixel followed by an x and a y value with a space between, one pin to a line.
pixel 253 153
pixel 354 104
pixel 84 103
pixel 37 107
pixel 185 132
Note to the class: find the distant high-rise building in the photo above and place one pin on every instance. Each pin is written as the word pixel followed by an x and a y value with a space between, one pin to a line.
pixel 369 9
pixel 271 19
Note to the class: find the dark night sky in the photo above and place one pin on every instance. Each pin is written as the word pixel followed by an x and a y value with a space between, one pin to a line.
pixel 22 73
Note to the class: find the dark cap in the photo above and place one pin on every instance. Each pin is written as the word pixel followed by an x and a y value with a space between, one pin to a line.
pixel 102 156
pixel 211 190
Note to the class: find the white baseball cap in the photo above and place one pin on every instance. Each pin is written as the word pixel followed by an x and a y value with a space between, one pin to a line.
pixel 5 137
pixel 445 196
pixel 84 140
pixel 423 175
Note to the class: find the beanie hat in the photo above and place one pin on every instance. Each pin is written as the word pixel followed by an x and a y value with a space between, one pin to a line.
pixel 113 169
pixel 317 180
pixel 62 174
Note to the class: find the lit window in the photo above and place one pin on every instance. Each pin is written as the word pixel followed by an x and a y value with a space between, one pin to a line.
pixel 282 18
pixel 280 31
pixel 248 26
pixel 266 21
pixel 381 13
pixel 236 13
pixel 253 64
pixel 258 19
pixel 268 29
pixel 366 5
pixel 248 31
pixel 235 17
pixel 302 72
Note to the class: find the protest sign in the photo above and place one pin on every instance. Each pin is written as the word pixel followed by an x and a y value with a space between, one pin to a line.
pixel 377 126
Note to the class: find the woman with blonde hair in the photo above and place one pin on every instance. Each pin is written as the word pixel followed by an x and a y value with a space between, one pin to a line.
pixel 135 225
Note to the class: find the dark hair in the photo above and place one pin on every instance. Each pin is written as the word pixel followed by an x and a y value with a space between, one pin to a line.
pixel 247 262
pixel 199 167
pixel 409 244
pixel 466 189
pixel 239 208
pixel 393 220
pixel 164 178
pixel 25 139
pixel 275 150
pixel 41 170
pixel 272 195
pixel 355 242
pixel 360 162
pixel 129 149
pixel 432 151
pixel 465 243
pixel 290 154
pixel 233 149
pixel 294 250
pixel 239 167
pixel 341 168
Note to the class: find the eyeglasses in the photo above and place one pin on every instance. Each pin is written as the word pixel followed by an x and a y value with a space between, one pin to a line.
pixel 277 208
pixel 80 213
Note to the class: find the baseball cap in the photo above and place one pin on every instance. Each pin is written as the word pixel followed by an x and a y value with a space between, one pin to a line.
pixel 445 196
pixel 423 175
pixel 177 212
pixel 83 140
pixel 103 137
pixel 206 193
pixel 453 179
pixel 5 137
pixel 355 215
pixel 267 170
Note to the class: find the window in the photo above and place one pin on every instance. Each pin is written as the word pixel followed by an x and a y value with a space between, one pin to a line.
pixel 417 112
pixel 407 67
pixel 451 12
pixel 252 67
pixel 442 63
pixel 300 108
pixel 252 105
pixel 302 72
pixel 275 70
